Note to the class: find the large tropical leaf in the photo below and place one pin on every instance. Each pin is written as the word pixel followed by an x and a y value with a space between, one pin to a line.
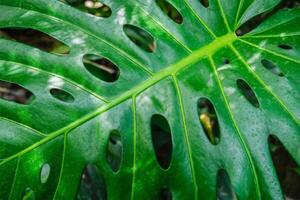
pixel 190 112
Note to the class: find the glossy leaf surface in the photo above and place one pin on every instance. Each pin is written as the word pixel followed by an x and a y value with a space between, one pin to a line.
pixel 182 63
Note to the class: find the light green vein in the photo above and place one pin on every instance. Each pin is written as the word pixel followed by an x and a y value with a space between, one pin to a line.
pixel 274 25
pixel 221 87
pixel 187 61
pixel 272 36
pixel 134 147
pixel 242 17
pixel 167 31
pixel 61 77
pixel 200 20
pixel 187 141
pixel 224 16
pixel 239 56
pixel 238 13
pixel 24 126
pixel 15 177
pixel 62 165
pixel 133 60
pixel 270 51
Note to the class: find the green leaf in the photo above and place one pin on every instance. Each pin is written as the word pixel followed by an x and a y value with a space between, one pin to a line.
pixel 165 68
pixel 297 171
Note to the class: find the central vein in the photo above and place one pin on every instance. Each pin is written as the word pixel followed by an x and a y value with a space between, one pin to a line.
pixel 195 56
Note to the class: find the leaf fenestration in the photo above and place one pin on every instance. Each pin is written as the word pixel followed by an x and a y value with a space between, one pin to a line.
pixel 205 3
pixel 272 67
pixel 170 11
pixel 35 38
pixel 101 68
pixel 247 92
pixel 165 194
pixel 61 95
pixel 162 140
pixel 209 120
pixel 92 185
pixel 140 37
pixel 13 92
pixel 149 50
pixel 224 188
pixel 45 172
pixel 93 7
pixel 114 150
pixel 286 168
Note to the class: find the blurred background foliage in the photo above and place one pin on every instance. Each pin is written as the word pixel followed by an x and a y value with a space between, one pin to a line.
pixel 93 7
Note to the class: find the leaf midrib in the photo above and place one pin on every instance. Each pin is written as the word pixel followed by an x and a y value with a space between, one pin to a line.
pixel 172 70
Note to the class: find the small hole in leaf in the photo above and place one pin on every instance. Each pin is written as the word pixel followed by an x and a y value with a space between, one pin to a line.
pixel 62 95
pixel 209 120
pixel 288 171
pixel 170 11
pixel 140 37
pixel 247 92
pixel 285 46
pixel 205 3
pixel 13 92
pixel 161 140
pixel 93 7
pixel 45 172
pixel 272 67
pixel 35 39
pixel 28 194
pixel 224 188
pixel 101 68
pixel 92 184
pixel 165 194
pixel 114 150
pixel 226 61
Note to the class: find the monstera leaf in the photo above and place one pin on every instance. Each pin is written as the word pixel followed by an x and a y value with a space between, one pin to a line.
pixel 154 100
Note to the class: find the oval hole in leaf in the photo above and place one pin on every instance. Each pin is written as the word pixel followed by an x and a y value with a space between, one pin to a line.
pixel 161 140
pixel 114 150
pixel 92 185
pixel 45 172
pixel 285 46
pixel 224 188
pixel 35 39
pixel 165 194
pixel 286 168
pixel 247 92
pixel 29 194
pixel 170 11
pixel 272 67
pixel 93 7
pixel 13 92
pixel 101 68
pixel 62 95
pixel 209 120
pixel 205 3
pixel 226 61
pixel 140 37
